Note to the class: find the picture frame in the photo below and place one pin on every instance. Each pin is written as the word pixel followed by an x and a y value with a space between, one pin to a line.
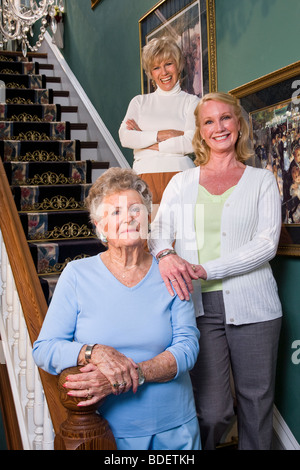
pixel 94 3
pixel 192 23
pixel 272 104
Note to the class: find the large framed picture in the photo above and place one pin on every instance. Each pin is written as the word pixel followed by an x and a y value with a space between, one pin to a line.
pixel 273 107
pixel 192 24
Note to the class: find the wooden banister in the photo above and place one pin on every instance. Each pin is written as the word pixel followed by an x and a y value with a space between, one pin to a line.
pixel 84 429
pixel 28 286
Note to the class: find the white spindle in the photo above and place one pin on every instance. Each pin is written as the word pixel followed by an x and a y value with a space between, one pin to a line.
pixel 31 407
pixel 3 278
pixel 16 329
pixel 9 301
pixel 38 411
pixel 48 438
pixel 30 366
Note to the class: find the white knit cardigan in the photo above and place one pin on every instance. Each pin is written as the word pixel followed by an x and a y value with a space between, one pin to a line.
pixel 250 230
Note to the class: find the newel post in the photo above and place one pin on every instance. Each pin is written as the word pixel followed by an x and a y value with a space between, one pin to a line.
pixel 84 429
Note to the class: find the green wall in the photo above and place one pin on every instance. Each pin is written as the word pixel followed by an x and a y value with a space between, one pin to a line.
pixel 254 38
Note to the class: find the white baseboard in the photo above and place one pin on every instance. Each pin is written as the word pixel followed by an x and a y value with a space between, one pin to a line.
pixel 284 436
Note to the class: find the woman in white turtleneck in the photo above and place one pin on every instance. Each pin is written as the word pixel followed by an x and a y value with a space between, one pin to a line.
pixel 160 126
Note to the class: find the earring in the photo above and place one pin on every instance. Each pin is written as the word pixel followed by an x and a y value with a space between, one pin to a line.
pixel 240 134
pixel 102 237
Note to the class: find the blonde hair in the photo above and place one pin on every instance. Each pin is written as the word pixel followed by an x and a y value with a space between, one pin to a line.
pixel 116 180
pixel 158 50
pixel 202 150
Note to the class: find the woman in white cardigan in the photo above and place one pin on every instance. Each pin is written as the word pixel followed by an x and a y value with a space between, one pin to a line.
pixel 225 219
pixel 160 126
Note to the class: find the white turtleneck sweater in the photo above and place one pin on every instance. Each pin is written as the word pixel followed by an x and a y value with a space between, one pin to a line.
pixel 157 111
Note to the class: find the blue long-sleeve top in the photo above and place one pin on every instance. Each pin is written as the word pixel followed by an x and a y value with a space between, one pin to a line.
pixel 90 305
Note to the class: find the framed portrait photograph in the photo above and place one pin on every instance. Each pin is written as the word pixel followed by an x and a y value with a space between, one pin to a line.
pixel 273 107
pixel 192 24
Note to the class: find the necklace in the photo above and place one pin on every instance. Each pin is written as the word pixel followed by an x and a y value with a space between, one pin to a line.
pixel 123 275
pixel 125 270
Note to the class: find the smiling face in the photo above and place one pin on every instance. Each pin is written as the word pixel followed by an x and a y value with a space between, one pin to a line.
pixel 165 74
pixel 123 219
pixel 219 126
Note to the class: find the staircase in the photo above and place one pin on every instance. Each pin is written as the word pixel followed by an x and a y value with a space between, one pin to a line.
pixel 42 157
pixel 48 163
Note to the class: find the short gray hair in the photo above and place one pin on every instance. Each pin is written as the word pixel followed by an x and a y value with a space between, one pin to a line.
pixel 116 180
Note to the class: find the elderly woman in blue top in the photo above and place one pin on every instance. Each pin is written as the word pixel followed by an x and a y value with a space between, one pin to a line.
pixel 112 314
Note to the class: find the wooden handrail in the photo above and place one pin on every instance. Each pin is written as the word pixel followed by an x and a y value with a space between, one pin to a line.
pixel 84 429
pixel 29 289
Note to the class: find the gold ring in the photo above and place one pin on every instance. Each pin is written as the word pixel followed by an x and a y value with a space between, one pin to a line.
pixel 116 385
pixel 193 267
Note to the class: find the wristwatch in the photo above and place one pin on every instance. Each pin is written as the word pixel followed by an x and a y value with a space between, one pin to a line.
pixel 165 253
pixel 141 376
pixel 88 352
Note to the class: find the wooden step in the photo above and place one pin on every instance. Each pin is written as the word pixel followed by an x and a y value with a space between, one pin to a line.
pixel 69 109
pixel 46 66
pixel 53 79
pixel 61 94
pixel 30 55
pixel 78 126
pixel 84 144
pixel 100 165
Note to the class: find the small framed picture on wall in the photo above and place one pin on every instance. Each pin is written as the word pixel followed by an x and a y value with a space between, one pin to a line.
pixel 94 3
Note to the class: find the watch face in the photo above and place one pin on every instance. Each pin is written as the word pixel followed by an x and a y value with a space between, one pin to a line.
pixel 141 376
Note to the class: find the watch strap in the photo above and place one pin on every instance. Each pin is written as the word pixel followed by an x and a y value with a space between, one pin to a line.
pixel 88 352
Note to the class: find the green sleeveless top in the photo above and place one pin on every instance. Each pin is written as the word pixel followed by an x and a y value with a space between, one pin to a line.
pixel 208 214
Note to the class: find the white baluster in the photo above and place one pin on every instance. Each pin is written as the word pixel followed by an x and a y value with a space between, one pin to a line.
pixel 22 357
pixel 16 333
pixel 32 411
pixel 38 411
pixel 48 442
pixel 30 366
pixel 9 301
pixel 3 278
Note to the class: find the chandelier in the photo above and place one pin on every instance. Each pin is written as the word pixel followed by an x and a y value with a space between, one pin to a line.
pixel 17 18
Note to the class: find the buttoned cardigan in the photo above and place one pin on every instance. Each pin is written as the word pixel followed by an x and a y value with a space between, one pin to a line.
pixel 250 230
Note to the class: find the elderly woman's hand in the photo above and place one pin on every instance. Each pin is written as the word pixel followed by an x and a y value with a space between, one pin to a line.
pixel 119 370
pixel 90 384
pixel 180 273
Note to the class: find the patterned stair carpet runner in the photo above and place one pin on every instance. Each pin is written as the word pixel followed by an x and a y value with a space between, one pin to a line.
pixel 34 130
pixel 29 96
pixel 30 112
pixel 23 81
pixel 19 68
pixel 48 179
pixel 40 151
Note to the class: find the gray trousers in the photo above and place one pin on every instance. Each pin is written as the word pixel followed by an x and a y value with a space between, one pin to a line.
pixel 250 351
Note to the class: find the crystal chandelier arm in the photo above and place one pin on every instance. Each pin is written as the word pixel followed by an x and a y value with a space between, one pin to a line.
pixel 32 14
